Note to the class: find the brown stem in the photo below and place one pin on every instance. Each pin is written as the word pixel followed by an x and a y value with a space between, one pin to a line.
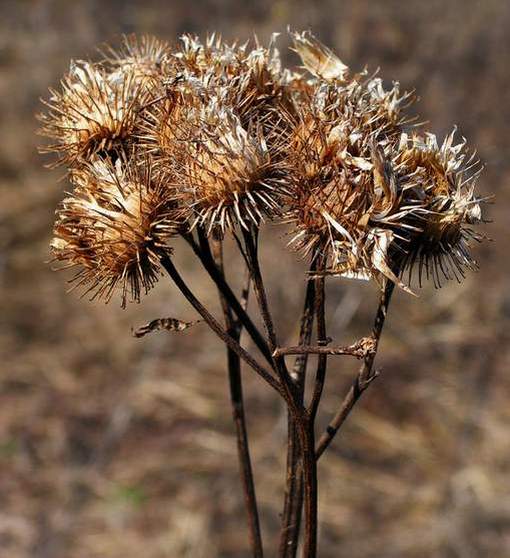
pixel 363 379
pixel 234 328
pixel 250 240
pixel 359 349
pixel 209 265
pixel 211 321
pixel 307 437
pixel 293 505
pixel 320 374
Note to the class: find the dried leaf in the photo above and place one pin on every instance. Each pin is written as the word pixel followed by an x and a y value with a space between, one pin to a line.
pixel 317 58
pixel 169 324
pixel 382 240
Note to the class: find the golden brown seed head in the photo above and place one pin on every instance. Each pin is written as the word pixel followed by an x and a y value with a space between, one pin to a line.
pixel 438 185
pixel 224 172
pixel 234 139
pixel 145 56
pixel 95 112
pixel 115 227
pixel 336 192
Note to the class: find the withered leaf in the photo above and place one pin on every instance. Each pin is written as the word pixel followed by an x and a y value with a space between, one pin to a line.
pixel 168 324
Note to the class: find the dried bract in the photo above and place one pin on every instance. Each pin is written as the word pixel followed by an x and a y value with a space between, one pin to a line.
pixel 317 58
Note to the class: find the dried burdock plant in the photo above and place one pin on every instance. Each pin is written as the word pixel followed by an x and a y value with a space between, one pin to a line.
pixel 206 140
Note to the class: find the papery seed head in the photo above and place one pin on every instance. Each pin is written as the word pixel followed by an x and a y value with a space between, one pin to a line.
pixel 145 56
pixel 95 112
pixel 224 172
pixel 115 227
pixel 442 206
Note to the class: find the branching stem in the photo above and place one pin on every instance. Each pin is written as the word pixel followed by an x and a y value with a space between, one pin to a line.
pixel 363 379
pixel 211 321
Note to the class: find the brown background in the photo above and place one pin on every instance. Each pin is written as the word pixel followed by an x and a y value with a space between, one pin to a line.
pixel 114 447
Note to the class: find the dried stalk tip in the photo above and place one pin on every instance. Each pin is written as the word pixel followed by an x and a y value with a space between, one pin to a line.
pixel 115 227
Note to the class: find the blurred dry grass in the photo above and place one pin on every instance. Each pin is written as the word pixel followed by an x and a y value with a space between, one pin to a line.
pixel 112 446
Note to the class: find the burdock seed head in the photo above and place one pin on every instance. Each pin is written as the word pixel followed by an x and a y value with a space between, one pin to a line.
pixel 371 200
pixel 95 112
pixel 438 184
pixel 333 197
pixel 218 132
pixel 114 228
pixel 145 56
pixel 224 173
pixel 219 136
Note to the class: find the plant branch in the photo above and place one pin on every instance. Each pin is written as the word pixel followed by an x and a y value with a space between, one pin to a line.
pixel 211 321
pixel 293 505
pixel 320 375
pixel 364 377
pixel 251 244
pixel 207 261
pixel 360 349
pixel 234 328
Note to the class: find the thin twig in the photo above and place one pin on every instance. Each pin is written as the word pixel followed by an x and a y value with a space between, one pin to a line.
pixel 234 328
pixel 167 263
pixel 251 243
pixel 362 380
pixel 360 349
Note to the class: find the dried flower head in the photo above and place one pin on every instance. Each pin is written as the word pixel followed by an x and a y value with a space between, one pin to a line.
pixel 144 56
pixel 94 113
pixel 439 185
pixel 370 200
pixel 219 135
pixel 336 198
pixel 115 227
pixel 224 173
pixel 218 132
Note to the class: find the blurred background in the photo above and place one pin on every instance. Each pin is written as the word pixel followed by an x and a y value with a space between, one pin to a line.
pixel 114 447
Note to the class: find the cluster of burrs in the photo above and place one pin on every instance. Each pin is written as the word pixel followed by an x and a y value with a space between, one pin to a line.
pixel 160 140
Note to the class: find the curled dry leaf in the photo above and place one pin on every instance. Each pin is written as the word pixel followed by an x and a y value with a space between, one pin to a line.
pixel 168 324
